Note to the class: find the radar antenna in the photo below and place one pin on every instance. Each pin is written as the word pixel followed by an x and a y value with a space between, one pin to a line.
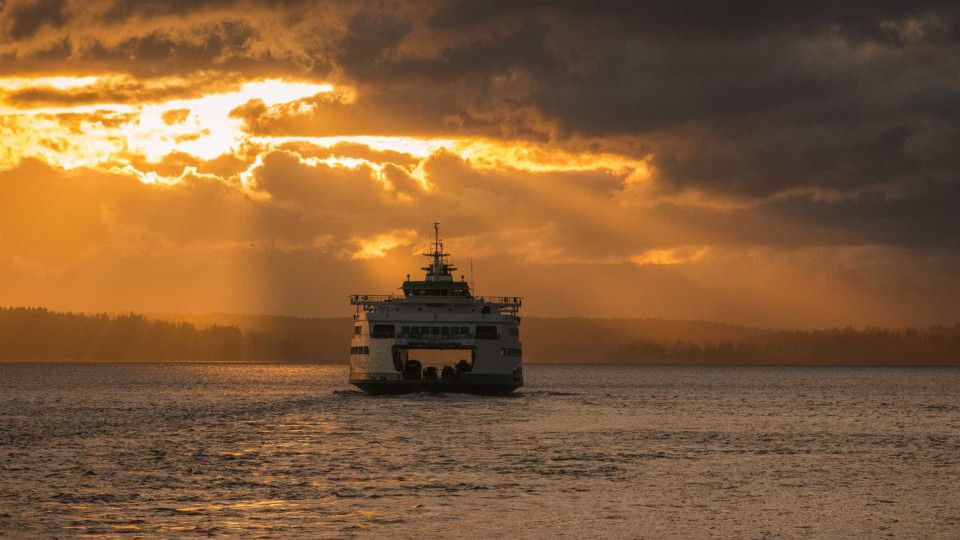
pixel 439 269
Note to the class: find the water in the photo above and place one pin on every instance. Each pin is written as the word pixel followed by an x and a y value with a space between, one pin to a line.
pixel 269 450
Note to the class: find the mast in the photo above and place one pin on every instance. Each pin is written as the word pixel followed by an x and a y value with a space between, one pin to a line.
pixel 438 270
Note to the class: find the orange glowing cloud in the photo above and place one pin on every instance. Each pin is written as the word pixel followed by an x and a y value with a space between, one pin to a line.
pixel 679 255
pixel 58 120
pixel 378 246
pixel 92 135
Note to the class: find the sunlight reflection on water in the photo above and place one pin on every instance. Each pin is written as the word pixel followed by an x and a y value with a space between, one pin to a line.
pixel 265 450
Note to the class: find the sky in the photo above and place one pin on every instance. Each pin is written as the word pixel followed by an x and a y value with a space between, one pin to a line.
pixel 791 165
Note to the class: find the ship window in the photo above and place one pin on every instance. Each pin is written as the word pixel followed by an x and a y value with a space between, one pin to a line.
pixel 454 330
pixel 485 309
pixel 415 330
pixel 425 330
pixel 465 330
pixel 366 349
pixel 356 330
pixel 383 331
pixel 486 332
pixel 404 330
pixel 435 330
pixel 445 330
pixel 514 332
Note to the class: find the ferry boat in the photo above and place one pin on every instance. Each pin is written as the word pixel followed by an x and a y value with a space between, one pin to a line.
pixel 436 337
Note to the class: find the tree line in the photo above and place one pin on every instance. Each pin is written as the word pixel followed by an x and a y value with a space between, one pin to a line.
pixel 938 345
pixel 37 334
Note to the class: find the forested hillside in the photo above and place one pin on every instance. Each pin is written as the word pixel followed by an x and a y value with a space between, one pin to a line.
pixel 37 334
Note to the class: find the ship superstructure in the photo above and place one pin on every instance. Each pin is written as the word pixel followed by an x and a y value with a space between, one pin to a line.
pixel 436 336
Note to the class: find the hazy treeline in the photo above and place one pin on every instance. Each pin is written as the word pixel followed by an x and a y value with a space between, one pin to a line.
pixel 932 346
pixel 318 339
pixel 36 334
pixel 547 340
pixel 30 334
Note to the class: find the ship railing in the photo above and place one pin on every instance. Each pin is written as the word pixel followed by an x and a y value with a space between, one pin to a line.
pixel 373 303
pixel 362 299
pixel 378 302
pixel 505 304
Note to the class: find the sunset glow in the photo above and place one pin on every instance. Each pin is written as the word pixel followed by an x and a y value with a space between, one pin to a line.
pixel 229 154
pixel 111 133
pixel 479 269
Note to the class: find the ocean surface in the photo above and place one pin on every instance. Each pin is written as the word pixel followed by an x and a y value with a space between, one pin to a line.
pixel 246 450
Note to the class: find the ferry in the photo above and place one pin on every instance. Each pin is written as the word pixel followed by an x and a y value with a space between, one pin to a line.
pixel 436 336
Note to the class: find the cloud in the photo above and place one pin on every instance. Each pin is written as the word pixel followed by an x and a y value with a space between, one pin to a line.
pixel 299 218
pixel 378 246
pixel 26 17
pixel 565 138
pixel 679 255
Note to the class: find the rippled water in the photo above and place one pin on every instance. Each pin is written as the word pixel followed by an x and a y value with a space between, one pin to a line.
pixel 265 450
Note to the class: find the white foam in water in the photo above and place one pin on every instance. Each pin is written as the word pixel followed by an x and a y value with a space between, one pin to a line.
pixel 270 450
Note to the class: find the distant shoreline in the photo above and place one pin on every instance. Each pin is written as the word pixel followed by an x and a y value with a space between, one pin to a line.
pixel 345 364
pixel 38 335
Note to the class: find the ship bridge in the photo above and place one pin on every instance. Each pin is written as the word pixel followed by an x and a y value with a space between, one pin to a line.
pixel 438 285
pixel 439 278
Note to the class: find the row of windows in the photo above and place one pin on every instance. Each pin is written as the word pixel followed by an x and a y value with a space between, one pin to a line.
pixel 481 331
pixel 509 351
pixel 360 350
pixel 435 292
pixel 434 330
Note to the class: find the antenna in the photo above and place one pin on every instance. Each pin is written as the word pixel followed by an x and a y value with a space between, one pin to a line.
pixel 473 285
pixel 439 269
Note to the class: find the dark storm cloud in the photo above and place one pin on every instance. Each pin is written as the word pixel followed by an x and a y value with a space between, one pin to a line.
pixel 924 217
pixel 122 10
pixel 703 20
pixel 372 37
pixel 26 18
pixel 739 100
pixel 766 167
pixel 802 109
